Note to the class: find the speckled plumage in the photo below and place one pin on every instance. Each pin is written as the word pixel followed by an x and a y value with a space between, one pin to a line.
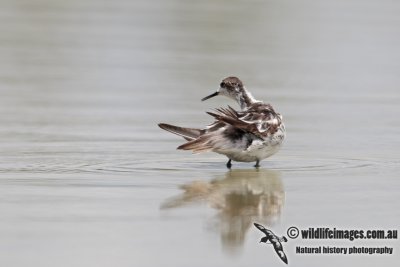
pixel 251 134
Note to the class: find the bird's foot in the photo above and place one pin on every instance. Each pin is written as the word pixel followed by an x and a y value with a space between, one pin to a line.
pixel 229 164
pixel 257 164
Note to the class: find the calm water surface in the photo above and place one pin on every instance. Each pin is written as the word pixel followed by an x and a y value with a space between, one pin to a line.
pixel 88 179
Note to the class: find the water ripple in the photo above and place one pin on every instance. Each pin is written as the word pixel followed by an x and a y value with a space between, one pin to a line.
pixel 129 166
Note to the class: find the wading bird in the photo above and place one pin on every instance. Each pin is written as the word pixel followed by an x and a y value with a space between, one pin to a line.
pixel 249 135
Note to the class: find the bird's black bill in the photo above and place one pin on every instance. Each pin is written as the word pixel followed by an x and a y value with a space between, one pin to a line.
pixel 208 97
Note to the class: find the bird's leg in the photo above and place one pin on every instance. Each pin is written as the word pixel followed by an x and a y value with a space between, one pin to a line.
pixel 229 164
pixel 257 164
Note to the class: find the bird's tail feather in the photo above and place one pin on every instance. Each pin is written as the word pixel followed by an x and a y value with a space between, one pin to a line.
pixel 188 133
pixel 201 144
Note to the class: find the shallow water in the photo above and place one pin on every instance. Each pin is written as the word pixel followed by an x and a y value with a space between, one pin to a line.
pixel 88 179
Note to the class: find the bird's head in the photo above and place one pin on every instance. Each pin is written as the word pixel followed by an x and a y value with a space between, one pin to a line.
pixel 264 239
pixel 231 87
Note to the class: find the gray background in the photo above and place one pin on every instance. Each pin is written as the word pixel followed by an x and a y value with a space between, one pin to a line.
pixel 88 179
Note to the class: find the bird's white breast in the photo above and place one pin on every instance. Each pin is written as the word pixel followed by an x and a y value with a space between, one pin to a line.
pixel 258 149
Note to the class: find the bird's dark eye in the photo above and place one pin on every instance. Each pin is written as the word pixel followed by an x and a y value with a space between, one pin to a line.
pixel 221 84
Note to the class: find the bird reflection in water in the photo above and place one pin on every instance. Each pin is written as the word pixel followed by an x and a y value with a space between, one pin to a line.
pixel 241 197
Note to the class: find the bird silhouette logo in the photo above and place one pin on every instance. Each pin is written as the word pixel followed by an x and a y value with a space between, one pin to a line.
pixel 271 238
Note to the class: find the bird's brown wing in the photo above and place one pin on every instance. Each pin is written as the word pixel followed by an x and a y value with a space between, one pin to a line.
pixel 221 137
pixel 187 133
pixel 259 119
